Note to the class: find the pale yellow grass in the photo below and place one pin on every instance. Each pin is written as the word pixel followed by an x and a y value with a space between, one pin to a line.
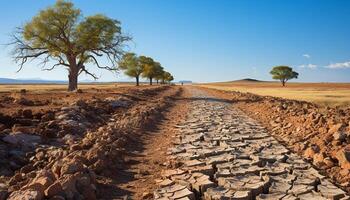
pixel 330 94
pixel 58 87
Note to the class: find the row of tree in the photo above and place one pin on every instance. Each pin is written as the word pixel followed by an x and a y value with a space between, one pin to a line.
pixel 142 66
pixel 62 37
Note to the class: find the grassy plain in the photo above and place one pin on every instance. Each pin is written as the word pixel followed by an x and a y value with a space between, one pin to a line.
pixel 329 94
pixel 38 88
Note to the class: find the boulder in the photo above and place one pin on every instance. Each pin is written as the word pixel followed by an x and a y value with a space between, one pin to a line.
pixel 71 167
pixel 16 178
pixel 29 194
pixel 24 129
pixel 27 113
pixel 48 117
pixel 22 139
pixel 68 183
pixel 2 127
pixel 318 160
pixel 45 181
pixel 339 136
pixel 53 190
pixel 311 151
pixel 3 194
pixel 328 162
pixel 24 101
pixel 335 128
pixel 343 157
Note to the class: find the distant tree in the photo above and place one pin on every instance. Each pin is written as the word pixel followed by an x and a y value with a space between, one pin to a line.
pixel 159 72
pixel 150 68
pixel 283 73
pixel 131 65
pixel 167 77
pixel 60 35
pixel 170 78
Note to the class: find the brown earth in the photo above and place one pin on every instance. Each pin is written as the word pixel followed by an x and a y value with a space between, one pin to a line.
pixel 147 155
pixel 74 149
pixel 50 99
pixel 320 134
pixel 112 143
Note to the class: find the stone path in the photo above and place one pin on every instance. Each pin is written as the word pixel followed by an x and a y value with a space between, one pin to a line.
pixel 220 153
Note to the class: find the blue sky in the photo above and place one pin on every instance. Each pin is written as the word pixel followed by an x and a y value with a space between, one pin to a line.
pixel 212 40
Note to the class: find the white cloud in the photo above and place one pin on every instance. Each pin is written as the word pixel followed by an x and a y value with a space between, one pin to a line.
pixel 306 56
pixel 310 66
pixel 343 65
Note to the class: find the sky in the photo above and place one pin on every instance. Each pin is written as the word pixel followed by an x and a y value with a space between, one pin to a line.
pixel 210 40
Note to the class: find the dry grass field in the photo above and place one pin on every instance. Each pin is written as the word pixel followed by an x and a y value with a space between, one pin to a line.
pixel 39 88
pixel 329 94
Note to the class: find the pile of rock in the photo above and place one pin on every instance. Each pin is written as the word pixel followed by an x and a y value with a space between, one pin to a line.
pixel 29 143
pixel 78 141
pixel 67 179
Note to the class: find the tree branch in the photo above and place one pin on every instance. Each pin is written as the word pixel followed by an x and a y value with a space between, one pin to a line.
pixel 98 65
pixel 83 69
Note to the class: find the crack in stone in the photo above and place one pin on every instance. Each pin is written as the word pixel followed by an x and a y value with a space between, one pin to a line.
pixel 221 154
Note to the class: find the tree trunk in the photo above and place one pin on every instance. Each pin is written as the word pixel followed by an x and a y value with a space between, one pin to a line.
pixel 73 73
pixel 150 81
pixel 72 80
pixel 283 83
pixel 137 81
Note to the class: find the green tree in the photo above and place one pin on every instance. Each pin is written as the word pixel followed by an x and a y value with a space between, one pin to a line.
pixel 131 66
pixel 170 78
pixel 62 36
pixel 283 73
pixel 150 68
pixel 167 77
pixel 159 70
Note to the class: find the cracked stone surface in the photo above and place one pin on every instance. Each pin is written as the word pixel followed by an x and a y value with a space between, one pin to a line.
pixel 219 153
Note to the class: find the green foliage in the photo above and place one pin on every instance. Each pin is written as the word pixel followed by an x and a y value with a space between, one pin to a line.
pixel 283 73
pixel 96 32
pixel 134 66
pixel 149 67
pixel 61 34
pixel 159 70
pixel 167 77
pixel 51 28
pixel 131 65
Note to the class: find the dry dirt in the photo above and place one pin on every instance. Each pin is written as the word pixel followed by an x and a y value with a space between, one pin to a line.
pixel 75 149
pixel 150 142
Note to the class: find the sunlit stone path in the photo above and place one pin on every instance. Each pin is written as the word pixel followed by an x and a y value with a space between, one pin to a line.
pixel 220 153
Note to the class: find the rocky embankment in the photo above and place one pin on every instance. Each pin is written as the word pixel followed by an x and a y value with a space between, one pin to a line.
pixel 320 134
pixel 65 153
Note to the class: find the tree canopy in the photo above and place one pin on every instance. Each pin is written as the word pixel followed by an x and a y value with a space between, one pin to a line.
pixel 62 36
pixel 150 67
pixel 283 73
pixel 131 65
pixel 167 77
pixel 159 70
pixel 147 67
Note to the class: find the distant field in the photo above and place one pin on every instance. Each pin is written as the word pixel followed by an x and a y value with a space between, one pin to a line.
pixel 330 94
pixel 59 87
